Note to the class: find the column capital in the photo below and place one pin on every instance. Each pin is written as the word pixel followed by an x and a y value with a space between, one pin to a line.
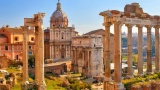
pixel 157 27
pixel 108 24
pixel 148 26
pixel 139 26
pixel 24 27
pixel 118 23
pixel 129 25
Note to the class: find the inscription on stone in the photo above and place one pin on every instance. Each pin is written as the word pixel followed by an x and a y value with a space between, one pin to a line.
pixel 138 21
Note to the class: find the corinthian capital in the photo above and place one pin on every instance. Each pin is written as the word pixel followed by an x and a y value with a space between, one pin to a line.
pixel 139 26
pixel 129 25
pixel 148 26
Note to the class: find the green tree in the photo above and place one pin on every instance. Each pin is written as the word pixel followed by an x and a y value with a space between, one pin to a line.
pixel 31 60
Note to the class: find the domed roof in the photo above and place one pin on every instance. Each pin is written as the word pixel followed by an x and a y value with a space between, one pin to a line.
pixel 59 13
pixel 59 18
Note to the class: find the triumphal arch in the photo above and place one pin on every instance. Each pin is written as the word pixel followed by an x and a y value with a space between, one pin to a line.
pixel 133 15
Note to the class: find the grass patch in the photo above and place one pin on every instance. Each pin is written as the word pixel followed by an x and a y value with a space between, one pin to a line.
pixel 53 84
pixel 13 70
pixel 17 86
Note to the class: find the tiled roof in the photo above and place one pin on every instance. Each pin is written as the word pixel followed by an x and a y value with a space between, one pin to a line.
pixel 98 32
pixel 16 30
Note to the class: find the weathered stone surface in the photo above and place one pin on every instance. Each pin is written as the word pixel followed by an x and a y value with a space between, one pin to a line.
pixel 133 8
pixel 4 87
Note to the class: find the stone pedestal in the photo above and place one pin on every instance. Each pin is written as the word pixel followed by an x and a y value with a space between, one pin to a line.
pixel 119 86
pixel 24 86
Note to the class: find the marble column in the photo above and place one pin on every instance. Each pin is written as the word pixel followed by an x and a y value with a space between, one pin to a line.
pixel 130 61
pixel 149 54
pixel 140 51
pixel 157 49
pixel 25 59
pixel 107 55
pixel 117 56
pixel 39 56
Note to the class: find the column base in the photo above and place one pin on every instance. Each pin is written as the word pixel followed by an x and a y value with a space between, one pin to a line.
pixel 149 73
pixel 24 85
pixel 119 86
pixel 106 81
pixel 130 76
pixel 140 74
pixel 41 87
pixel 155 70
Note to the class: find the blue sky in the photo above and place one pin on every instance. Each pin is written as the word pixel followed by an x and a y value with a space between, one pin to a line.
pixel 84 14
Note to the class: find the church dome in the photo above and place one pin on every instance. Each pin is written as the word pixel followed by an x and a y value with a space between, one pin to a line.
pixel 59 18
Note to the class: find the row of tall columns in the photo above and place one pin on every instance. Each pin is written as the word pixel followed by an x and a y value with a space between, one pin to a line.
pixel 117 56
pixel 39 52
pixel 140 52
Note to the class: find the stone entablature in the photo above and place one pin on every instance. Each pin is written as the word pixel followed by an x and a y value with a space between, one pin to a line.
pixel 88 41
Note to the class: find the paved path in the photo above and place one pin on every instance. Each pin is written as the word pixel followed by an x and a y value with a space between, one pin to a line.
pixel 97 87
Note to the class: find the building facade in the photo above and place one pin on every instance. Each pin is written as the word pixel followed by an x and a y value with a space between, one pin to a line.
pixel 87 55
pixel 58 36
pixel 11 42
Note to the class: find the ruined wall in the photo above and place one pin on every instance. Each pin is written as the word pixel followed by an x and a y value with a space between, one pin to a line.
pixel 4 87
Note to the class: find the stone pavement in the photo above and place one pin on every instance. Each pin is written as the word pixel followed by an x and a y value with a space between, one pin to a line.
pixel 97 86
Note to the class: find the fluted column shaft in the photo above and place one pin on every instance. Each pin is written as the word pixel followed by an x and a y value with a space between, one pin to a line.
pixel 39 56
pixel 149 56
pixel 130 70
pixel 117 56
pixel 107 52
pixel 157 49
pixel 107 55
pixel 140 55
